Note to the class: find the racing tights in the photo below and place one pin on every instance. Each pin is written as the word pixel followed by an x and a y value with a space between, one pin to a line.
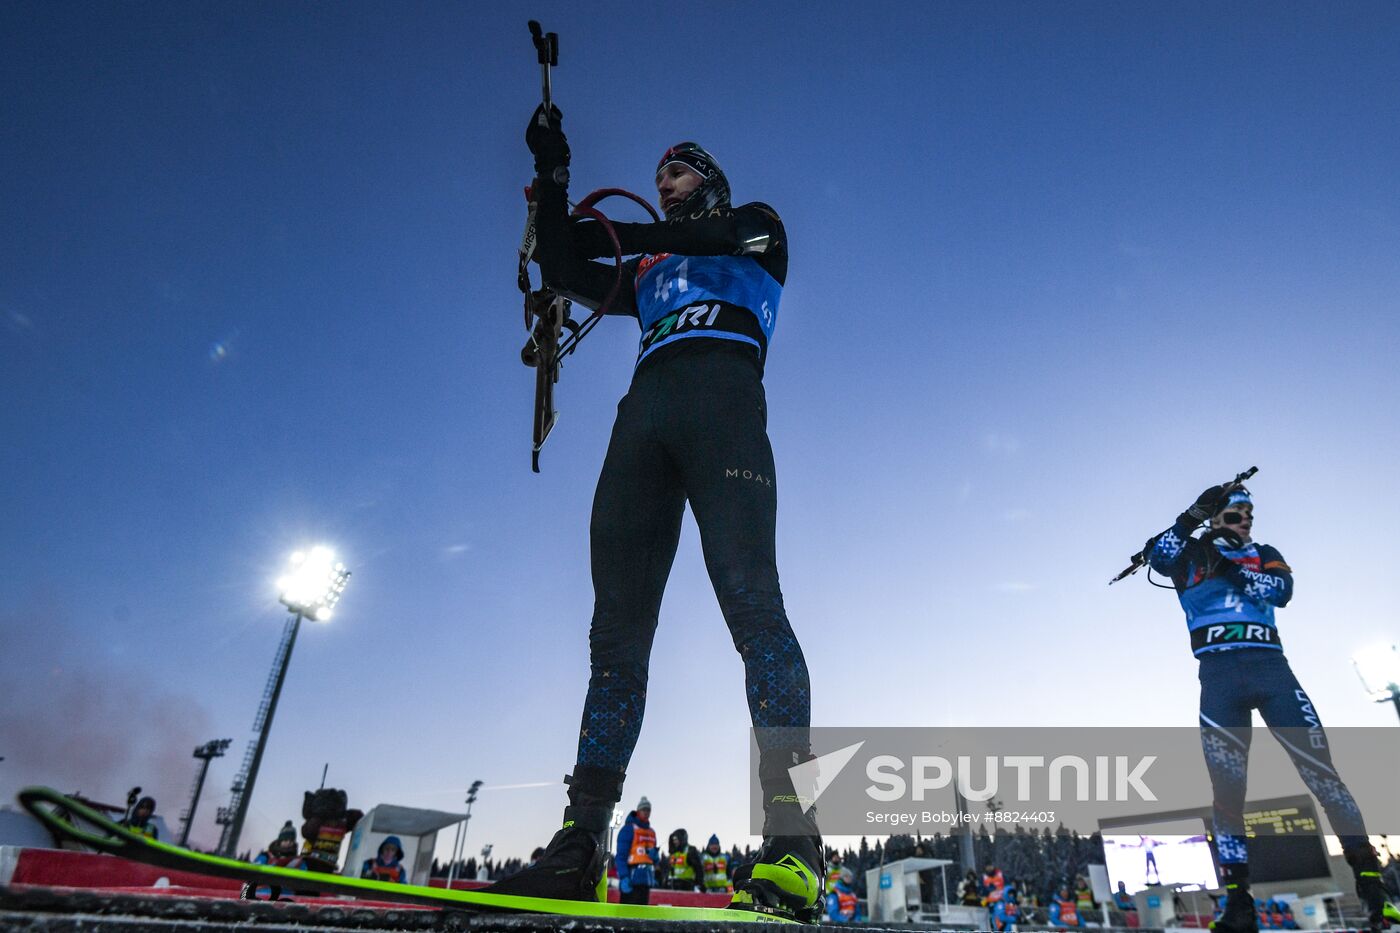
pixel 691 427
pixel 1235 682
pixel 1230 595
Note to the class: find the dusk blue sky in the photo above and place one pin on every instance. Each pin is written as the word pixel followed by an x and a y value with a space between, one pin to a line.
pixel 1055 267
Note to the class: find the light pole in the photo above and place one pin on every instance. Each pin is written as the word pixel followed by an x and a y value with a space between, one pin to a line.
pixel 205 753
pixel 619 816
pixel 1379 670
pixel 310 590
pixel 968 846
pixel 461 839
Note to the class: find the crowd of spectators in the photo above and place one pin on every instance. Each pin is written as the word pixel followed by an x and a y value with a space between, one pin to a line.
pixel 1037 863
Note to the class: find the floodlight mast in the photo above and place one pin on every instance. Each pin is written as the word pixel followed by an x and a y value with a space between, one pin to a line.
pixel 311 590
pixel 1379 670
pixel 205 753
pixel 461 838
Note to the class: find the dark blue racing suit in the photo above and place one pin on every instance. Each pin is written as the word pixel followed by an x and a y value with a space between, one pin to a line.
pixel 1230 596
pixel 692 428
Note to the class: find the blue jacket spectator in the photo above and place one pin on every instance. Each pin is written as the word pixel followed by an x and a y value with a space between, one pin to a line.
pixel 637 853
pixel 1006 910
pixel 388 864
pixel 842 906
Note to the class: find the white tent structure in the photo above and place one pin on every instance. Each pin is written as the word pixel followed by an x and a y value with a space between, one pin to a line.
pixel 417 830
pixel 892 890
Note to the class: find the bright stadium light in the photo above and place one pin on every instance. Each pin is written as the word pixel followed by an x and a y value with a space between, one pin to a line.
pixel 309 590
pixel 314 584
pixel 1379 670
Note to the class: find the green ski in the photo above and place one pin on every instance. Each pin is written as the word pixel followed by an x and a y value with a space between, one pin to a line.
pixel 62 815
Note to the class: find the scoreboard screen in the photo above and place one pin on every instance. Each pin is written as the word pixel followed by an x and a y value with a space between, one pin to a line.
pixel 1285 841
pixel 1177 847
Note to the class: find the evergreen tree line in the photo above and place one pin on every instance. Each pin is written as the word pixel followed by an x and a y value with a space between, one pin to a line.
pixel 1036 863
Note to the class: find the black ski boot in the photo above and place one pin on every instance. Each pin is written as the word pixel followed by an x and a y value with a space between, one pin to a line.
pixel 574 865
pixel 1369 888
pixel 789 874
pixel 1239 915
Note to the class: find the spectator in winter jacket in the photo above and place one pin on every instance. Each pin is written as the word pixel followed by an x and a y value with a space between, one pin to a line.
pixel 716 868
pixel 833 871
pixel 1064 909
pixel 1006 911
pixel 141 819
pixel 637 855
pixel 993 884
pixel 841 903
pixel 388 864
pixel 685 870
pixel 281 851
pixel 1084 896
pixel 969 891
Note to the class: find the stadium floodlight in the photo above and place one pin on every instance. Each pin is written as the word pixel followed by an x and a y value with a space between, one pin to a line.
pixel 315 583
pixel 1379 670
pixel 310 590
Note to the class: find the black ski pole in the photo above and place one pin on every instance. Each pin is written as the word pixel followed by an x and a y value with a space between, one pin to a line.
pixel 1136 562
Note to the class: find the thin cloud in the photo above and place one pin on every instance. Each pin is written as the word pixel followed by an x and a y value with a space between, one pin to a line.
pixel 485 787
pixel 18 323
pixel 1000 443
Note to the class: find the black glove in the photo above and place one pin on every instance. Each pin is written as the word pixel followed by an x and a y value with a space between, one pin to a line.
pixel 1207 504
pixel 591 241
pixel 1231 540
pixel 545 137
pixel 1224 567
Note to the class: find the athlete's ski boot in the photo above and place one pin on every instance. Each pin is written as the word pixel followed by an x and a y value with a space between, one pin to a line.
pixel 789 874
pixel 786 879
pixel 1370 889
pixel 574 864
pixel 1240 915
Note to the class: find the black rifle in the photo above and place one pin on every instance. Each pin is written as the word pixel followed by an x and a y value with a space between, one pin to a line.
pixel 546 314
pixel 546 311
pixel 1137 561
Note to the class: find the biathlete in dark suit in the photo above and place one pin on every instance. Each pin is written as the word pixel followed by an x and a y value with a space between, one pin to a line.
pixel 1230 587
pixel 705 286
